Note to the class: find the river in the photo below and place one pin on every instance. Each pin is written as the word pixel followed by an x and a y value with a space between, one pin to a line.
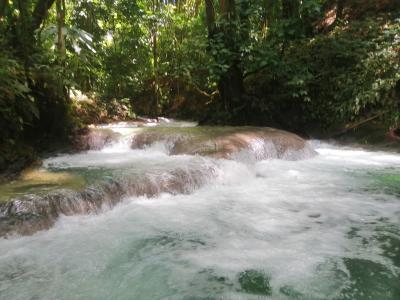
pixel 325 227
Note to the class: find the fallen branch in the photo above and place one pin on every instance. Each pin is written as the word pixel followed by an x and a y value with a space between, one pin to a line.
pixel 211 96
pixel 358 124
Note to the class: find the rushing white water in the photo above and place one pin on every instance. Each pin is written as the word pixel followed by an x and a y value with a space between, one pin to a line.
pixel 322 228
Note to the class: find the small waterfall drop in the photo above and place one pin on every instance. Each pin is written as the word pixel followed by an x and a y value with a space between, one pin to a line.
pixel 202 213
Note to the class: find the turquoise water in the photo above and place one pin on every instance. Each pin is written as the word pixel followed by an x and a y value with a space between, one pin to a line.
pixel 323 228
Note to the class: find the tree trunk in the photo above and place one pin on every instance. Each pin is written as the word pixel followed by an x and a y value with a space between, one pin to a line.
pixel 290 9
pixel 3 8
pixel 60 7
pixel 62 52
pixel 24 38
pixel 231 87
pixel 339 9
pixel 227 9
pixel 230 84
pixel 154 36
pixel 397 96
pixel 197 7
pixel 210 18
pixel 40 12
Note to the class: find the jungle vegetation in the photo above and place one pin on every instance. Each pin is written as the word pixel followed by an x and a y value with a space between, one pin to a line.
pixel 301 65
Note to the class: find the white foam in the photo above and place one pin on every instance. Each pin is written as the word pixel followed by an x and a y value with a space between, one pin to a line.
pixel 291 219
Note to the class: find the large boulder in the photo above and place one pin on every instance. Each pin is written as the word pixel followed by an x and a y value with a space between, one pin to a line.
pixel 228 142
pixel 95 139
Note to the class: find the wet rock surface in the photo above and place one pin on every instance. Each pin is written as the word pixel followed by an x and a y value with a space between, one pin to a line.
pixel 95 139
pixel 226 142
pixel 322 228
pixel 30 212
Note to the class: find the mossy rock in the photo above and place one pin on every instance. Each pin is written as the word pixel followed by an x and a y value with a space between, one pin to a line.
pixel 390 183
pixel 255 282
pixel 291 293
pixel 370 280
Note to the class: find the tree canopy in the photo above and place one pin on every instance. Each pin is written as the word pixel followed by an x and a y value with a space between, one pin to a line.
pixel 298 65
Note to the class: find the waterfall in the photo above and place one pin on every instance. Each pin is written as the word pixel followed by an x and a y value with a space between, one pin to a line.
pixel 204 213
pixel 121 149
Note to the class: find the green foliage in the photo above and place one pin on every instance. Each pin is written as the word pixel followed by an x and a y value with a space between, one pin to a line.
pixel 17 106
pixel 329 79
pixel 33 101
pixel 280 63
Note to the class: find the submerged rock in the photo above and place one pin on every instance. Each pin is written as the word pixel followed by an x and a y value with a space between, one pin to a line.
pixel 291 293
pixel 255 282
pixel 370 280
pixel 39 181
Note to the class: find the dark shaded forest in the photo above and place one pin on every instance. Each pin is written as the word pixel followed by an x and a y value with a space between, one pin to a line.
pixel 312 67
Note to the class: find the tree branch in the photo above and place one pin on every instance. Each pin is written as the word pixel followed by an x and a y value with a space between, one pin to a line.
pixel 358 124
pixel 200 91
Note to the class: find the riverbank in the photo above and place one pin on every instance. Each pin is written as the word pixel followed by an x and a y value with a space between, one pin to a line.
pixel 372 136
pixel 23 155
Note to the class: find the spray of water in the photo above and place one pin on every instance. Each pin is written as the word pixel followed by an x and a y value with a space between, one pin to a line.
pixel 327 227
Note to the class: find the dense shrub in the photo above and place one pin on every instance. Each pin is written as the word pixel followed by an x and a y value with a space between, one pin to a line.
pixel 330 79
